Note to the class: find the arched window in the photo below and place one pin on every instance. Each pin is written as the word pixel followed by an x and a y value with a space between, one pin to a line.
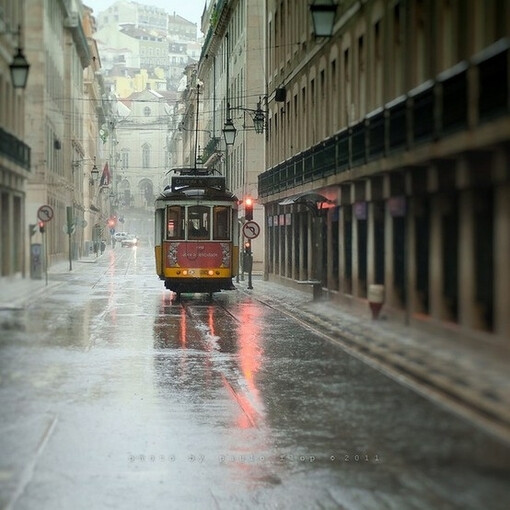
pixel 147 111
pixel 146 155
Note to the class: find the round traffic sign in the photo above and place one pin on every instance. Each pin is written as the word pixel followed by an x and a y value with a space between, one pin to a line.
pixel 45 213
pixel 251 229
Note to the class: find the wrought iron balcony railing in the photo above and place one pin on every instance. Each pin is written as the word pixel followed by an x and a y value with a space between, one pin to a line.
pixel 434 110
pixel 14 149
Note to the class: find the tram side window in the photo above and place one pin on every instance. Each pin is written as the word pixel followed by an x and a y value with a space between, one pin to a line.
pixel 198 222
pixel 221 222
pixel 175 222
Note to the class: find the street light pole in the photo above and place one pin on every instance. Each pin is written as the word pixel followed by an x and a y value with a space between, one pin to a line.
pixel 196 126
pixel 69 213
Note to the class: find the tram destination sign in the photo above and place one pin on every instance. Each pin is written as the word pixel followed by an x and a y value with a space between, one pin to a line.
pixel 198 181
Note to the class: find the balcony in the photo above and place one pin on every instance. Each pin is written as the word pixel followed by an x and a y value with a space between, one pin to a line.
pixel 14 150
pixel 210 148
pixel 432 111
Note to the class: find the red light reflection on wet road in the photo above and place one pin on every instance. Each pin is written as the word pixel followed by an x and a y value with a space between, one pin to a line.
pixel 250 352
pixel 249 355
pixel 182 328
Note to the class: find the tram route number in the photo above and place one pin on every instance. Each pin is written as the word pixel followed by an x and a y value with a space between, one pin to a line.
pixel 251 229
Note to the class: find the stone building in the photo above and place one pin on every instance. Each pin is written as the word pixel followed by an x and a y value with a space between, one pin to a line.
pixel 14 152
pixel 141 152
pixel 232 76
pixel 387 158
pixel 126 12
pixel 63 152
pixel 180 28
pixel 136 36
pixel 96 113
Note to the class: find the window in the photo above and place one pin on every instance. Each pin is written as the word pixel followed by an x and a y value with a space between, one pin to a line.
pixel 125 160
pixel 146 155
pixel 147 111
pixel 198 222
pixel 221 222
pixel 175 222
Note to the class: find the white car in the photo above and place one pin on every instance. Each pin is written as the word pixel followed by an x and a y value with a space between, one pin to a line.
pixel 119 236
pixel 129 241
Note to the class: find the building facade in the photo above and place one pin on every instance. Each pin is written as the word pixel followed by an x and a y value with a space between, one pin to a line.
pixel 126 12
pixel 387 158
pixel 136 36
pixel 96 113
pixel 140 155
pixel 64 146
pixel 231 75
pixel 181 29
pixel 14 152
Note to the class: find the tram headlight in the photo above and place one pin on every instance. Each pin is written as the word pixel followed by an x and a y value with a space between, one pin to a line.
pixel 185 272
pixel 210 272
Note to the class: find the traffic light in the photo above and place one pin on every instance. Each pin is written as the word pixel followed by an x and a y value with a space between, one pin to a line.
pixel 41 227
pixel 248 209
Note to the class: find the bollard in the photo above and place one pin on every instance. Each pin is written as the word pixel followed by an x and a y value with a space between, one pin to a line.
pixel 248 262
pixel 375 299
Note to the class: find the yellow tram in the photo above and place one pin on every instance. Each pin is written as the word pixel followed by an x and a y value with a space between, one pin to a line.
pixel 196 233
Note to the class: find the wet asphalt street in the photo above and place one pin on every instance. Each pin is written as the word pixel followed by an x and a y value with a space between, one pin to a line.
pixel 114 396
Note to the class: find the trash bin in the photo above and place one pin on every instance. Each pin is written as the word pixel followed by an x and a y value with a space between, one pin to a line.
pixel 375 299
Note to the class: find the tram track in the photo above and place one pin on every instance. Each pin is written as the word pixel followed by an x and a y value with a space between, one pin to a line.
pixel 187 305
pixel 231 377
pixel 432 382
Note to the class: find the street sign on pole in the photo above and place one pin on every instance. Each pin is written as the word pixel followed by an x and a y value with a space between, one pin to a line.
pixel 45 213
pixel 251 229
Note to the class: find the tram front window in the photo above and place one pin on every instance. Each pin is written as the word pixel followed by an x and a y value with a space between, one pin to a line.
pixel 198 222
pixel 221 229
pixel 175 222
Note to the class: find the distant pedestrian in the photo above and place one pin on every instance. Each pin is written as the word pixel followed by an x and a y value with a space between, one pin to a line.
pixel 103 246
pixel 96 248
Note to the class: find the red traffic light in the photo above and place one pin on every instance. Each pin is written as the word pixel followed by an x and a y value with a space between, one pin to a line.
pixel 41 227
pixel 248 208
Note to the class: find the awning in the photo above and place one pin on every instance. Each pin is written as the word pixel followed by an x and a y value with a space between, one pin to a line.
pixel 309 199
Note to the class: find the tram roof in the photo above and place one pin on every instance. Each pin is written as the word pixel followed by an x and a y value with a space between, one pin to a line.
pixel 193 183
pixel 194 193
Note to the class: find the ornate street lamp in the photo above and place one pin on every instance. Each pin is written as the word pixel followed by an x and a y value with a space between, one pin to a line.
pixel 19 70
pixel 19 66
pixel 229 132
pixel 258 119
pixel 323 16
pixel 94 172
